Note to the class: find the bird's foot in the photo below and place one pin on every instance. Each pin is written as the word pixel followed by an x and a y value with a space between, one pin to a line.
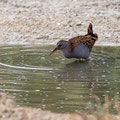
pixel 81 60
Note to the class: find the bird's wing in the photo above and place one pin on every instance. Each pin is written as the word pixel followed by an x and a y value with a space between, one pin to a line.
pixel 88 39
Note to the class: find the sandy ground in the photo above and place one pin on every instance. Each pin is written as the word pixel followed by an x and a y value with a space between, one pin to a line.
pixel 9 111
pixel 47 21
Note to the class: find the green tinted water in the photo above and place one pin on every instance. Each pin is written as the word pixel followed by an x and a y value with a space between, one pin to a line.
pixel 57 84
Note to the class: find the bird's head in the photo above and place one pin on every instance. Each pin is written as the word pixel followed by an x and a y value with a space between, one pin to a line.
pixel 62 44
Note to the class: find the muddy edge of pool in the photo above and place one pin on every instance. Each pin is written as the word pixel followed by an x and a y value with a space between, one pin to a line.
pixel 9 111
pixel 47 21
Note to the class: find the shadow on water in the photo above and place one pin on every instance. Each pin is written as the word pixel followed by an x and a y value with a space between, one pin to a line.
pixel 55 83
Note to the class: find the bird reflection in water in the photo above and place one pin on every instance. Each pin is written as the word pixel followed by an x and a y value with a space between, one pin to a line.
pixel 78 72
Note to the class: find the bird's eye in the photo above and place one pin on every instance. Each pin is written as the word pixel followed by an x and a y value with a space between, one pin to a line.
pixel 59 45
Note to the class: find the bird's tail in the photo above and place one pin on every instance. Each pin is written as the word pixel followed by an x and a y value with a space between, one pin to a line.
pixel 90 30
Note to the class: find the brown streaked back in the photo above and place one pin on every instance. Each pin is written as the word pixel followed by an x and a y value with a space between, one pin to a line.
pixel 89 39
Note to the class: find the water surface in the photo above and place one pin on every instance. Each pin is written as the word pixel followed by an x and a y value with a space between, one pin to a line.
pixel 55 83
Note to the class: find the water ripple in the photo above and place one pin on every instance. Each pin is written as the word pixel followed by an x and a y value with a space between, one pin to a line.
pixel 27 68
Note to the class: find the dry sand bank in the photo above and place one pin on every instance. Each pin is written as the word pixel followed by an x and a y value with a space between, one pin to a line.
pixel 47 21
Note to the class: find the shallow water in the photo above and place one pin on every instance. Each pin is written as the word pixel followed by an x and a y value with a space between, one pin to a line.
pixel 57 84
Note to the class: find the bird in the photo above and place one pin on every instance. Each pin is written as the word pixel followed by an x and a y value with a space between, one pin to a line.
pixel 78 47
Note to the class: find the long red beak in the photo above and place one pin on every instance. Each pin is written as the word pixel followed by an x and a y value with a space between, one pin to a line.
pixel 53 51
